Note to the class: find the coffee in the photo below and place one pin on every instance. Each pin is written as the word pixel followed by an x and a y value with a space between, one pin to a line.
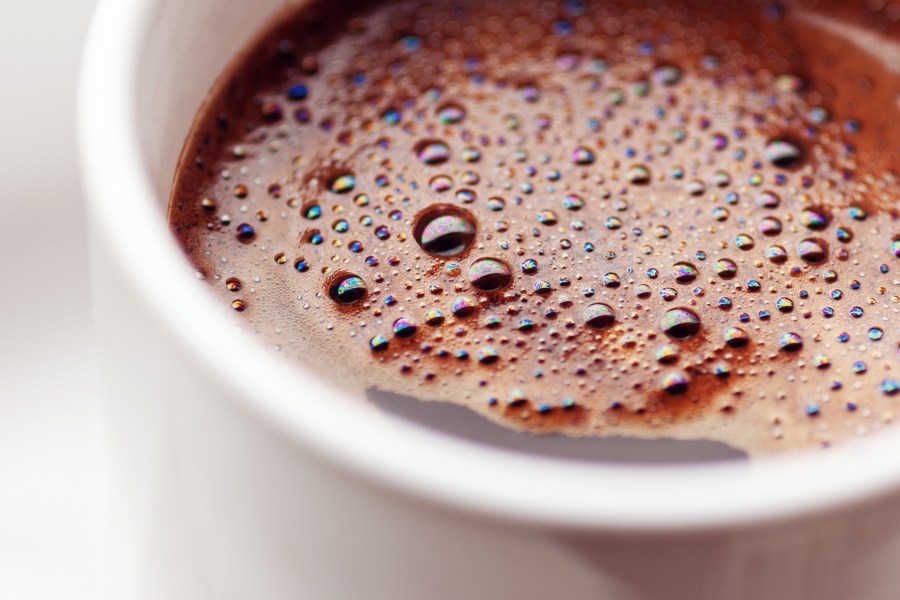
pixel 641 218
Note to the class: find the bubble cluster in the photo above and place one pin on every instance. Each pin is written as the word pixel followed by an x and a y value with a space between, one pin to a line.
pixel 564 231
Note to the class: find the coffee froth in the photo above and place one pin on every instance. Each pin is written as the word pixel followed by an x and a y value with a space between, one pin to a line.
pixel 642 218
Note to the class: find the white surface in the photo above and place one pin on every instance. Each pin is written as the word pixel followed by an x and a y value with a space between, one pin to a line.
pixel 49 430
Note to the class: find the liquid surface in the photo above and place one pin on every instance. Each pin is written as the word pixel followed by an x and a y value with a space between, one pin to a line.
pixel 652 219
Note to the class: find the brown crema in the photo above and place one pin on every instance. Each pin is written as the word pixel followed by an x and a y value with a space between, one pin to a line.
pixel 652 219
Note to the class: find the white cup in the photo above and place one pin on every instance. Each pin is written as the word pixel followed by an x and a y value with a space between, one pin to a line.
pixel 236 477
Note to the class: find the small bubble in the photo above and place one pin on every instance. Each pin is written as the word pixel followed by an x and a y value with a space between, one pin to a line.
pixel 638 175
pixel 379 343
pixel 666 75
pixel 783 153
pixel 404 327
pixel 736 337
pixel 768 199
pixel 347 289
pixel 342 184
pixel 790 342
pixel 814 219
pixel 784 305
pixel 490 274
pixel 301 264
pixel 463 307
pixel 582 156
pixel 770 226
pixel 684 272
pixel 432 152
pixel 440 183
pixel 744 241
pixel 675 383
pixel 599 316
pixel 444 230
pixel 680 323
pixel 450 114
pixel 725 268
pixel 777 254
pixel 233 284
pixel 573 202
pixel 813 250
pixel 245 232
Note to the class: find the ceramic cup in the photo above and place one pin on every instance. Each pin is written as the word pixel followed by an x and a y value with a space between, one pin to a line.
pixel 234 476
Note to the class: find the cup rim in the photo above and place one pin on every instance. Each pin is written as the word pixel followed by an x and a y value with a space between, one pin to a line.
pixel 402 456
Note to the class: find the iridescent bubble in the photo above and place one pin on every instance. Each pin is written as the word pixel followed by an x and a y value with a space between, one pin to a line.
pixel 744 241
pixel 542 287
pixel 668 294
pixel 347 289
pixel 233 284
pixel 790 342
pixel 432 152
pixel 434 317
pixel 783 153
pixel 599 316
pixel 490 274
pixel 643 291
pixel 719 142
pixel 488 355
pixel 245 232
pixel 301 265
pixel 695 187
pixel 777 254
pixel 725 268
pixel 312 211
pixel 667 354
pixel 465 196
pixel 814 219
pixel 451 113
pixel 444 230
pixel 895 247
pixel 770 226
pixel 440 183
pixel 638 175
pixel 529 92
pixel 736 337
pixel 675 383
pixel 812 250
pixel 573 202
pixel 680 323
pixel 666 75
pixel 684 272
pixel 768 199
pixel 463 307
pixel 379 343
pixel 546 217
pixel 529 266
pixel 342 183
pixel 843 234
pixel 582 156
pixel 404 327
pixel 784 305
pixel 496 203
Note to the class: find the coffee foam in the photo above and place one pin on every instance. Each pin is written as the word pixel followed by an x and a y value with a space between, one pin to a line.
pixel 647 219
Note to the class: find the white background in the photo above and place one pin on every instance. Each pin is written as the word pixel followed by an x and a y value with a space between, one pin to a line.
pixel 50 435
